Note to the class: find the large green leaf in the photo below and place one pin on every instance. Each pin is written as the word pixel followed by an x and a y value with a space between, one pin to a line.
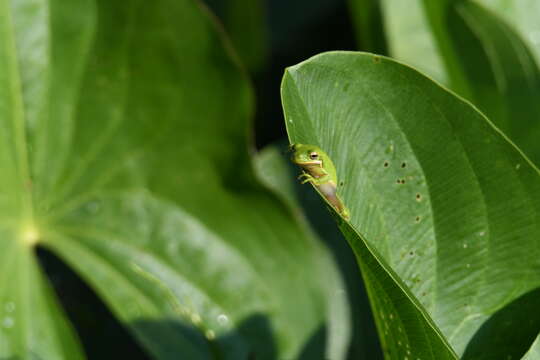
pixel 485 60
pixel 438 193
pixel 124 151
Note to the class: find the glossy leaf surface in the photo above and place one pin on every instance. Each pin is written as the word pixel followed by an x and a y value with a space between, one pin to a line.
pixel 447 205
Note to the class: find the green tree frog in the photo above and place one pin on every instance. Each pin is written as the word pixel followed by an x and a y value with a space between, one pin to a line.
pixel 321 172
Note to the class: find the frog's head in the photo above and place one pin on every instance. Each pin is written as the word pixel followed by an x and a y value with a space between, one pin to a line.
pixel 306 154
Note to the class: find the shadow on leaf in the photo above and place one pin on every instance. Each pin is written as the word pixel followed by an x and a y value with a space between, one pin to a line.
pixel 500 332
pixel 251 340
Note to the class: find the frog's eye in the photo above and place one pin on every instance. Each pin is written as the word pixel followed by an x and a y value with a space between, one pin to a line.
pixel 313 155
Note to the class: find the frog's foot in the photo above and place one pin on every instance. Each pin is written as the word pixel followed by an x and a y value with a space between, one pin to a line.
pixel 305 178
pixel 345 213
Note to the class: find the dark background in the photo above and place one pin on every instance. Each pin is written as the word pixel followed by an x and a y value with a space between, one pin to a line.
pixel 295 31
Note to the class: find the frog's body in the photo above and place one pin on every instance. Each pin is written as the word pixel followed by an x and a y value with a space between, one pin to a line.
pixel 321 172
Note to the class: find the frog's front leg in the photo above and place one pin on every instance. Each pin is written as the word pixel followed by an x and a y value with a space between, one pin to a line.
pixel 315 181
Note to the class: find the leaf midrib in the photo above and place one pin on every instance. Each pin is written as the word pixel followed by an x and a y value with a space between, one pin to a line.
pixel 18 113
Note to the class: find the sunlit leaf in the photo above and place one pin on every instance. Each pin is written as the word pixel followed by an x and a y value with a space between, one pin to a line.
pixel 448 207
